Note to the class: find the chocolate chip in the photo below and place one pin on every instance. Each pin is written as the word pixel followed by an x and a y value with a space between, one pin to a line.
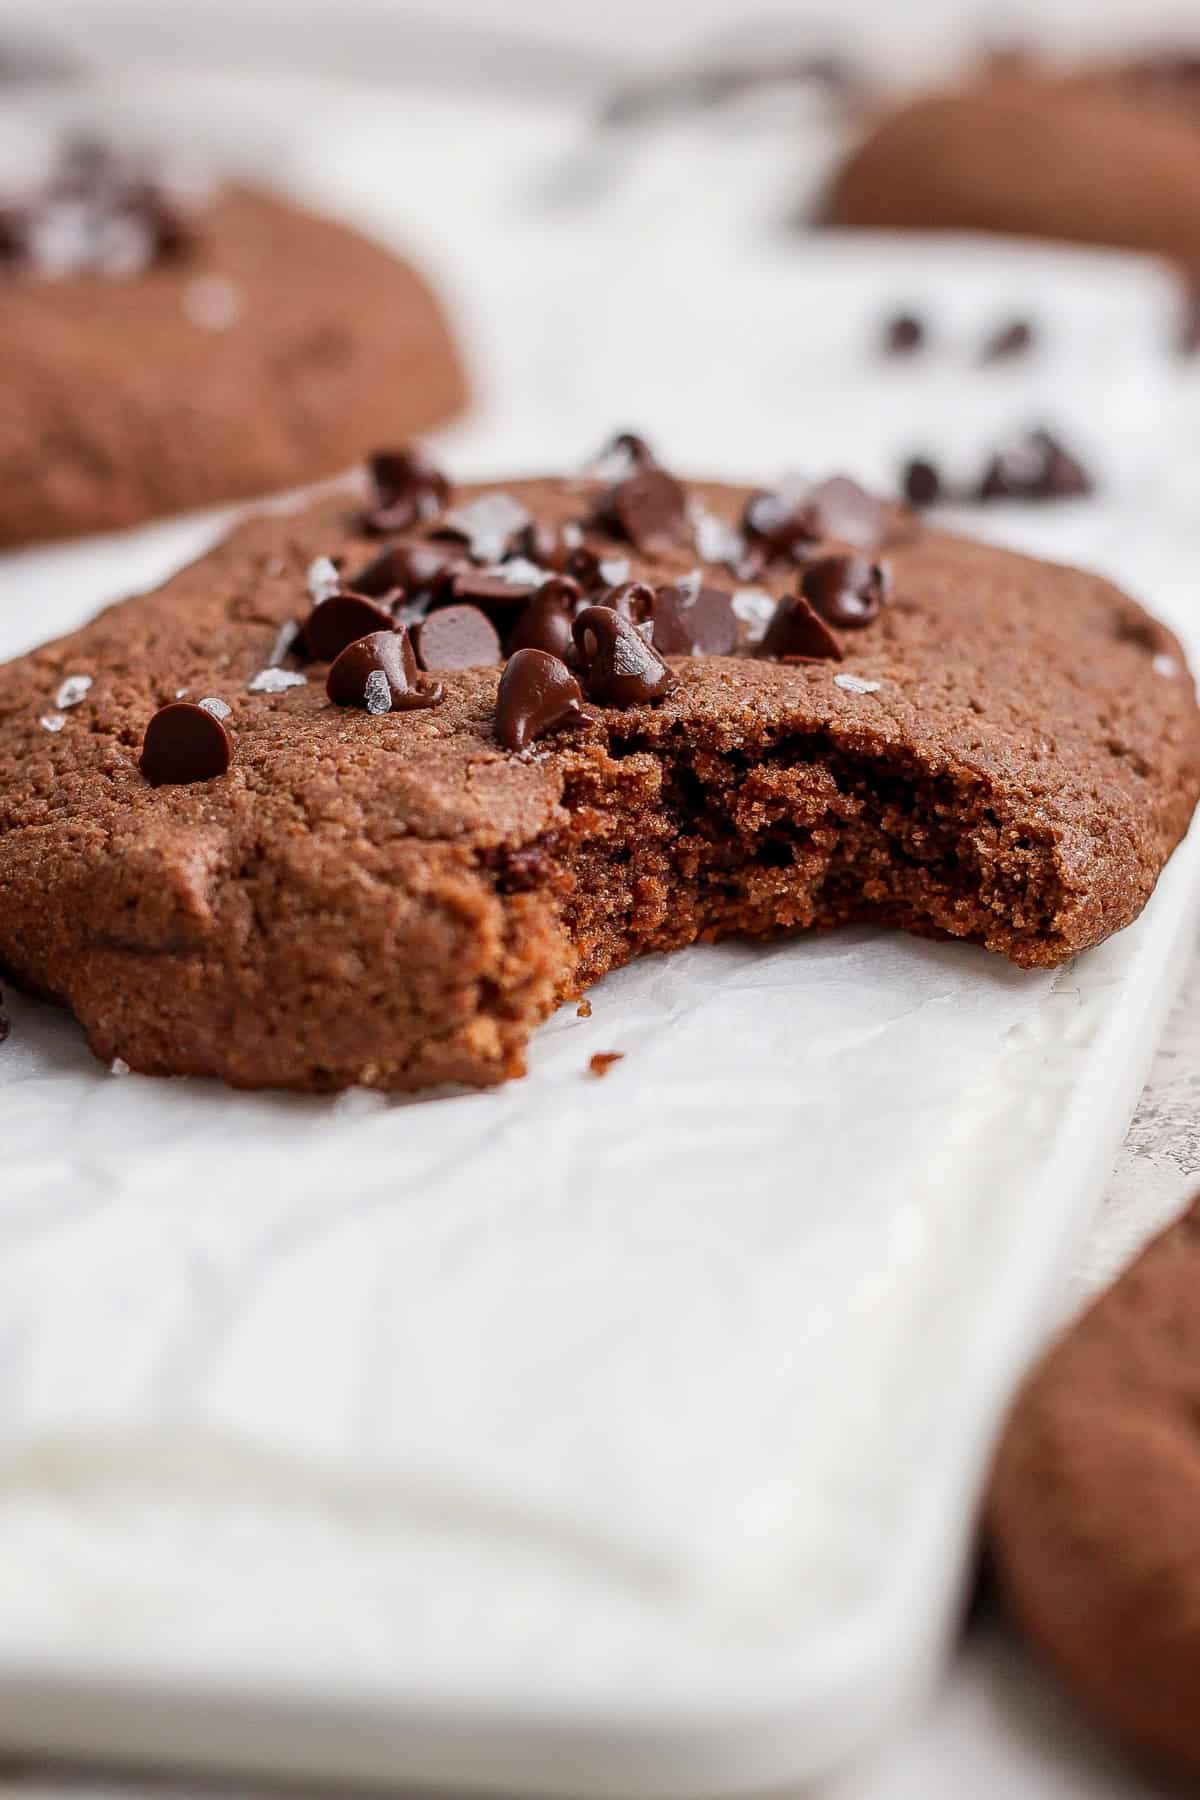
pixel 185 743
pixel 840 508
pixel 379 673
pixel 407 490
pixel 691 620
pixel 922 483
pixel 845 590
pixel 779 521
pixel 407 568
pixel 456 637
pixel 334 623
pixel 634 600
pixel 650 509
pixel 545 623
pixel 492 585
pixel 537 694
pixel 1013 339
pixel 1036 467
pixel 619 667
pixel 903 335
pixel 797 634
pixel 622 457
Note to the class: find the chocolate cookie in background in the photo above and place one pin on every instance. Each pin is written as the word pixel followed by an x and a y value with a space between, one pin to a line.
pixel 1105 154
pixel 311 836
pixel 1094 1509
pixel 165 347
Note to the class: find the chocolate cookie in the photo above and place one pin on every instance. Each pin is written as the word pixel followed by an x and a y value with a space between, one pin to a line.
pixel 1094 1511
pixel 1109 157
pixel 155 357
pixel 361 870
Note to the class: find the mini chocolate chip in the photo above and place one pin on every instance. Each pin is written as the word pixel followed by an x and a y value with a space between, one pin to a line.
pixel 650 509
pixel 537 694
pixel 619 667
pixel 634 600
pixel 1037 467
pixel 545 623
pixel 903 335
pixel 411 568
pixel 922 483
pixel 407 490
pixel 334 623
pixel 185 743
pixel 456 637
pixel 845 590
pixel 690 620
pixel 379 673
pixel 797 634
pixel 1013 339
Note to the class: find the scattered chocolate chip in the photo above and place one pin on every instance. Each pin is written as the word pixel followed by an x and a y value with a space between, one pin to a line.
pixel 922 483
pixel 903 335
pixel 619 667
pixel 407 490
pixel 650 509
pixel 549 546
pixel 840 508
pixel 379 673
pixel 537 694
pixel 1013 339
pixel 622 457
pixel 332 624
pixel 692 620
pixel 405 568
pixel 185 743
pixel 1037 467
pixel 603 1061
pixel 778 520
pixel 456 637
pixel 545 622
pixel 634 600
pixel 489 526
pixel 493 585
pixel 845 590
pixel 798 634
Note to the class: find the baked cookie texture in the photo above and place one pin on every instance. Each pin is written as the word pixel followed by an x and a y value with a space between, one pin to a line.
pixel 1105 156
pixel 1094 1512
pixel 1007 753
pixel 249 360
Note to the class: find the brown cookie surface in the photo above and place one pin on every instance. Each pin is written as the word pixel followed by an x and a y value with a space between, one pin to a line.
pixel 382 893
pixel 1109 158
pixel 256 356
pixel 1094 1511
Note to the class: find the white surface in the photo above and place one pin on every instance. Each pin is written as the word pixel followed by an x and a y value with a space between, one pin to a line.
pixel 320 1339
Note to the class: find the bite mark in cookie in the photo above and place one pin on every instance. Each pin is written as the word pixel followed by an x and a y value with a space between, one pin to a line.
pixel 399 874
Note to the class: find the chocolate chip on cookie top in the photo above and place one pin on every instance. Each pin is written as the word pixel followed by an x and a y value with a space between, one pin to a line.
pixel 98 212
pixel 620 668
pixel 847 591
pixel 379 674
pixel 406 489
pixel 797 633
pixel 186 742
pixel 537 694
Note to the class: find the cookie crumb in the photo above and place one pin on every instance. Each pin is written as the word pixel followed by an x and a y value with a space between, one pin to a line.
pixel 584 1010
pixel 603 1061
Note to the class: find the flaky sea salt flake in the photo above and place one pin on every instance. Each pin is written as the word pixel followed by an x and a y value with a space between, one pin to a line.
pixel 275 681
pixel 220 709
pixel 52 721
pixel 854 684
pixel 71 691
pixel 377 694
pixel 323 579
